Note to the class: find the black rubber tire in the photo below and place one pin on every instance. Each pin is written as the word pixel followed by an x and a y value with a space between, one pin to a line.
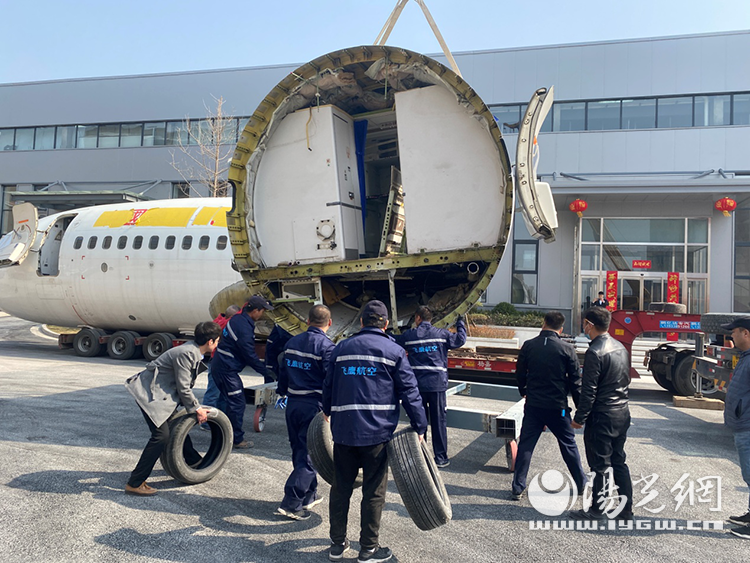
pixel 682 376
pixel 121 345
pixel 320 448
pixel 418 481
pixel 680 308
pixel 711 322
pixel 156 344
pixel 173 460
pixel 663 382
pixel 138 347
pixel 86 343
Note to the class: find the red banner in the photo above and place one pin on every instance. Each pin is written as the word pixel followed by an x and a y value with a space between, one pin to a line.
pixel 673 296
pixel 611 291
pixel 642 264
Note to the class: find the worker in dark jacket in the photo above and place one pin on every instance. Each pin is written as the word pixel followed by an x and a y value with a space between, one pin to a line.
pixel 237 350
pixel 427 347
pixel 546 372
pixel 603 409
pixel 368 377
pixel 274 347
pixel 303 369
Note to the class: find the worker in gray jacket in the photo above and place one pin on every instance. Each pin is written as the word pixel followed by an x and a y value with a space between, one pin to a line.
pixel 165 384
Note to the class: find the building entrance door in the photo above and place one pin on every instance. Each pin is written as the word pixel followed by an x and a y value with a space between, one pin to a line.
pixel 637 292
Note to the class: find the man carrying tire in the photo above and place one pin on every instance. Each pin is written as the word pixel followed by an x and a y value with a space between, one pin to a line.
pixel 427 347
pixel 235 351
pixel 166 383
pixel 368 377
pixel 303 369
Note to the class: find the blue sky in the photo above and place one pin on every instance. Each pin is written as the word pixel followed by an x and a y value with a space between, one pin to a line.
pixel 54 39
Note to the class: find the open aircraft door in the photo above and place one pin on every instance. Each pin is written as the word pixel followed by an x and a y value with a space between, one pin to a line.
pixel 537 205
pixel 15 245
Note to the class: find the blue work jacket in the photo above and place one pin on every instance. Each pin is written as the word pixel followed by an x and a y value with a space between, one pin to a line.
pixel 237 347
pixel 275 346
pixel 428 347
pixel 305 365
pixel 367 376
pixel 737 402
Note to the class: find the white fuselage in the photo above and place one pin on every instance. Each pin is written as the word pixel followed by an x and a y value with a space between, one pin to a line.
pixel 145 266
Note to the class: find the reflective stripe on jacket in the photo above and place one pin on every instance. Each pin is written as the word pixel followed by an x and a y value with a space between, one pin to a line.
pixel 237 347
pixel 305 365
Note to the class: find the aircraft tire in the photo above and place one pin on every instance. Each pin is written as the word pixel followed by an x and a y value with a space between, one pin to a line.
pixel 418 481
pixel 320 448
pixel 86 343
pixel 121 345
pixel 173 458
pixel 156 344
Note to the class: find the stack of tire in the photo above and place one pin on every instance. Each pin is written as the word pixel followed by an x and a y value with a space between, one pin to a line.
pixel 417 477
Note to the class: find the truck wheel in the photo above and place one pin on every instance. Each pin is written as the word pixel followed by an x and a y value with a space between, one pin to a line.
pixel 86 343
pixel 173 459
pixel 682 376
pixel 418 481
pixel 711 322
pixel 320 448
pixel 663 382
pixel 156 344
pixel 121 345
pixel 138 353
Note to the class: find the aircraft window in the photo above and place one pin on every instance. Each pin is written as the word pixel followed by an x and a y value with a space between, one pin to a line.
pixel 107 242
pixel 138 242
pixel 204 242
pixel 122 242
pixel 187 242
pixel 92 243
pixel 221 243
pixel 153 242
pixel 78 242
pixel 169 244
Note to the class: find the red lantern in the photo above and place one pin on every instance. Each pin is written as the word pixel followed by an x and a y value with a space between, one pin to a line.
pixel 578 207
pixel 725 205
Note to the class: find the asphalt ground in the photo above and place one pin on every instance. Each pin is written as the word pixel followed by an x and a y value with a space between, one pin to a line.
pixel 71 434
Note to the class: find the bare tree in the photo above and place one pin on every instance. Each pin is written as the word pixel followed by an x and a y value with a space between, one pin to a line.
pixel 205 150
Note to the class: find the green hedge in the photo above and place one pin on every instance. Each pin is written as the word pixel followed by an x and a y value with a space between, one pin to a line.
pixel 505 314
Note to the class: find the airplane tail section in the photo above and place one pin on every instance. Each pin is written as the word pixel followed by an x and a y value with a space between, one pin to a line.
pixel 15 245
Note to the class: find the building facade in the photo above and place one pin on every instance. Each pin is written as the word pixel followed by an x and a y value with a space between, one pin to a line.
pixel 650 133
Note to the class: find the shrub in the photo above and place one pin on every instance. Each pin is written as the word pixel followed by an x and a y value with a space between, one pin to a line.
pixel 504 309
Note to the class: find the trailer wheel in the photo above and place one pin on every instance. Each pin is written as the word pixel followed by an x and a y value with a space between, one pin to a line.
pixel 86 342
pixel 259 420
pixel 511 451
pixel 121 345
pixel 320 448
pixel 418 481
pixel 663 382
pixel 682 376
pixel 173 459
pixel 138 353
pixel 156 344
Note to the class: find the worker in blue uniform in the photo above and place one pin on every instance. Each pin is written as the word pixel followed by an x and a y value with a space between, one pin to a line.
pixel 368 377
pixel 235 351
pixel 274 347
pixel 303 370
pixel 427 347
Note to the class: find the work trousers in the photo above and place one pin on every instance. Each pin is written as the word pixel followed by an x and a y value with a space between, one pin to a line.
pixel 212 396
pixel 558 422
pixel 374 463
pixel 604 436
pixel 302 485
pixel 435 405
pixel 742 443
pixel 233 393
pixel 153 450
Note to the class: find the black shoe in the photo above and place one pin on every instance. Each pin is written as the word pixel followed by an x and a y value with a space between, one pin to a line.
pixel 743 532
pixel 375 555
pixel 517 496
pixel 442 464
pixel 586 515
pixel 336 553
pixel 298 515
pixel 743 520
pixel 624 517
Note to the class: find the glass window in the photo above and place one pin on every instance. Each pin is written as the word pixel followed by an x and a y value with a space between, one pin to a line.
pixel 92 243
pixel 25 139
pixel 663 258
pixel 570 116
pixel 153 134
pixel 590 257
pixel 547 124
pixel 741 109
pixel 137 242
pixel 169 243
pixel 520 231
pixel 591 230
pixel 176 133
pixel 109 136
pixel 6 139
pixel 742 225
pixel 130 134
pixel 221 242
pixel 742 261
pixel 87 135
pixel 525 257
pixel 187 242
pixel 44 138
pixel 507 115
pixel 77 243
pixel 675 112
pixel 523 289
pixel 742 296
pixel 697 259
pixel 153 242
pixel 107 242
pixel 122 242
pixel 603 115
pixel 639 114
pixel 229 132
pixel 696 298
pixel 712 110
pixel 644 230
pixel 66 137
pixel 698 231
pixel 204 242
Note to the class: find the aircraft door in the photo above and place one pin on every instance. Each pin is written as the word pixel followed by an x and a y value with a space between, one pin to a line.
pixel 15 245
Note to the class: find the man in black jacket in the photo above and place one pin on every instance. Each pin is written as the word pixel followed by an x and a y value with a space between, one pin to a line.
pixel 603 408
pixel 547 370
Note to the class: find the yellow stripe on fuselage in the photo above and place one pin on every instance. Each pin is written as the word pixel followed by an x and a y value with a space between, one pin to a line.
pixel 212 216
pixel 163 217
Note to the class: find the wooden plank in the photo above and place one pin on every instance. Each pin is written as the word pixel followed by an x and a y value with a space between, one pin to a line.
pixel 698 403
